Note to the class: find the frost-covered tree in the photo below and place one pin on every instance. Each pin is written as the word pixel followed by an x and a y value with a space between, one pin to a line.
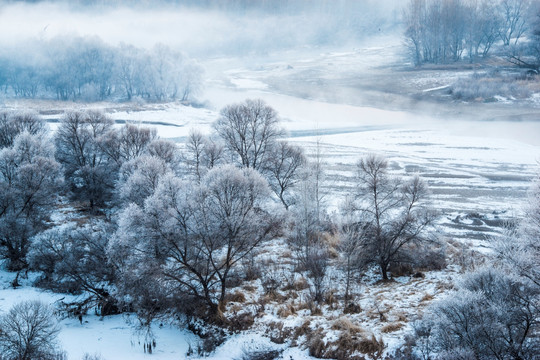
pixel 189 237
pixel 13 124
pixel 28 331
pixel 86 68
pixel 308 213
pixel 87 167
pixel 519 248
pixel 139 178
pixel 492 315
pixel 29 180
pixel 202 154
pixel 526 54
pixel 394 212
pixel 249 130
pixel 127 143
pixel 73 258
pixel 167 151
pixel 352 235
pixel 442 31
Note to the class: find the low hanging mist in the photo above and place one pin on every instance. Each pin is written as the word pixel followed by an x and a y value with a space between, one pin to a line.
pixel 198 28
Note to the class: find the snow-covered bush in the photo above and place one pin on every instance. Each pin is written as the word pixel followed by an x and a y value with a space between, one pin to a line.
pixel 72 258
pixel 492 314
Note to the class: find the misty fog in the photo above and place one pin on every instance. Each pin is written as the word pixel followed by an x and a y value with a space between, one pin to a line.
pixel 337 52
pixel 199 29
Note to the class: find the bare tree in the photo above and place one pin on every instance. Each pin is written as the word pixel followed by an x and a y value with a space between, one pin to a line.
pixel 194 153
pixel 393 211
pixel 352 237
pixel 126 69
pixel 316 264
pixel 249 130
pixel 526 54
pixel 28 332
pixel 202 154
pixel 283 170
pixel 413 16
pixel 483 26
pixel 441 31
pixel 308 213
pixel 514 24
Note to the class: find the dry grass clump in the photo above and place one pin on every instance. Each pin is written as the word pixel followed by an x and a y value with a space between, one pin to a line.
pixel 352 308
pixel 293 284
pixel 392 327
pixel 302 330
pixel 371 346
pixel 249 288
pixel 240 322
pixel 236 297
pixel 278 333
pixel 348 346
pixel 316 310
pixel 286 311
pixel 331 299
pixel 301 284
pixel 344 324
pixel 332 243
pixel 273 297
pixel 486 87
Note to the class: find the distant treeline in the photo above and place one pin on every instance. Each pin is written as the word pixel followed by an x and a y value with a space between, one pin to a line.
pixel 443 31
pixel 89 69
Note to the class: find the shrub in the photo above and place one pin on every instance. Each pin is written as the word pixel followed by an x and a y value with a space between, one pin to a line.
pixel 391 327
pixel 28 332
pixel 236 297
pixel 348 346
pixel 486 87
pixel 492 314
pixel 344 324
pixel 352 308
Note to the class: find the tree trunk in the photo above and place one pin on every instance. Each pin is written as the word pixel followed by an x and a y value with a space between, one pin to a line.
pixel 384 271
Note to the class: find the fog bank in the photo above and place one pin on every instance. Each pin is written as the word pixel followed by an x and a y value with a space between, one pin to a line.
pixel 201 28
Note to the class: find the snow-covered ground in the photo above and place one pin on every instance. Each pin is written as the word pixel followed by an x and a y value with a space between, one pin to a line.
pixel 478 171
